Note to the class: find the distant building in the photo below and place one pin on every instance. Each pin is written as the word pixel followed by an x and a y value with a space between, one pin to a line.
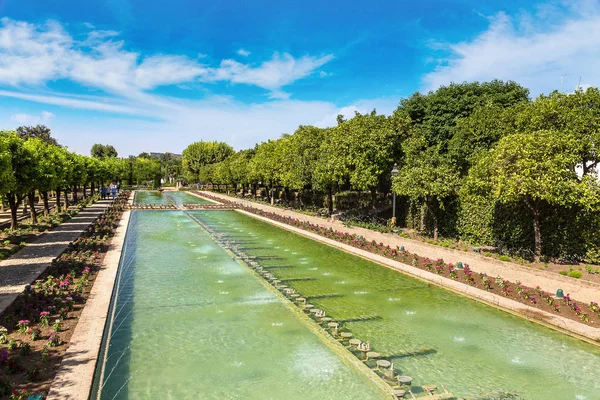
pixel 158 155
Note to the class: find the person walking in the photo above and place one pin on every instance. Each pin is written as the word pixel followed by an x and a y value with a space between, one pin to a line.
pixel 113 188
pixel 102 192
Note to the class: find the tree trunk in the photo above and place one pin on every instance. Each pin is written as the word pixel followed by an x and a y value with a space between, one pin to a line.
pixel 330 201
pixel 373 197
pixel 92 188
pixel 13 202
pixel 432 206
pixel 66 199
pixel 83 191
pixel 423 212
pixel 75 194
pixel 534 206
pixel 32 210
pixel 46 206
pixel 58 204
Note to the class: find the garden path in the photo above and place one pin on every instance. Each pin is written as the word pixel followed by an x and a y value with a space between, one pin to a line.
pixel 23 267
pixel 549 281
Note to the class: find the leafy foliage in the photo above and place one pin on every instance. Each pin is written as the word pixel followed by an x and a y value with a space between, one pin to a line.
pixel 103 151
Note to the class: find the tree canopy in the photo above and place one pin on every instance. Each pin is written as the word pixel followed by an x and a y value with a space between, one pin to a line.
pixel 201 153
pixel 477 161
pixel 102 151
pixel 41 132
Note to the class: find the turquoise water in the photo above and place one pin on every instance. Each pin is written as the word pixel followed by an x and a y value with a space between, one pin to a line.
pixel 472 349
pixel 189 322
pixel 168 197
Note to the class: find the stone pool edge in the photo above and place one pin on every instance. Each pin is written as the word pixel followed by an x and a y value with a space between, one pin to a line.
pixel 202 197
pixel 558 323
pixel 75 375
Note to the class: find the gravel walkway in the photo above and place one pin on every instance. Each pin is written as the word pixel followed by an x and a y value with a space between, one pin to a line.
pixel 23 267
pixel 581 290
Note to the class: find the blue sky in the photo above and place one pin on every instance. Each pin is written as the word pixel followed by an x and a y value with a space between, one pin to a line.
pixel 155 76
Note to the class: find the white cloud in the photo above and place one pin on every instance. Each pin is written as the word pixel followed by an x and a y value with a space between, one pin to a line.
pixel 34 54
pixel 533 50
pixel 243 53
pixel 29 119
pixel 222 119
pixel 280 71
pixel 102 62
pixel 383 105
pixel 86 103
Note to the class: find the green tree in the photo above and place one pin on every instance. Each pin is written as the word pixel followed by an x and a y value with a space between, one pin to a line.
pixel 206 174
pixel 147 170
pixel 240 169
pixel 268 164
pixel 426 177
pixel 39 131
pixel 170 167
pixel 7 177
pixel 438 112
pixel 49 164
pixel 63 180
pixel 576 114
pixel 538 168
pixel 480 131
pixel 331 169
pixel 24 170
pixel 201 153
pixel 78 174
pixel 92 166
pixel 102 151
pixel 371 147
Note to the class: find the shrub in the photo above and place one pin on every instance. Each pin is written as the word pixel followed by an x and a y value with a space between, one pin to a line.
pixel 575 274
pixel 5 387
pixel 504 258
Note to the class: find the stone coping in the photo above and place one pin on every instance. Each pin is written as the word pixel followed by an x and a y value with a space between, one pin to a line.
pixel 581 290
pixel 203 198
pixel 75 375
pixel 562 324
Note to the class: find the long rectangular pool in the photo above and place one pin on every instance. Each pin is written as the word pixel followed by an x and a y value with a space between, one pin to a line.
pixel 188 321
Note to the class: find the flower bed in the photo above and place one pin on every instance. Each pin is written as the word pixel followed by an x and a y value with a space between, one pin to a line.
pixel 207 206
pixel 536 297
pixel 37 326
